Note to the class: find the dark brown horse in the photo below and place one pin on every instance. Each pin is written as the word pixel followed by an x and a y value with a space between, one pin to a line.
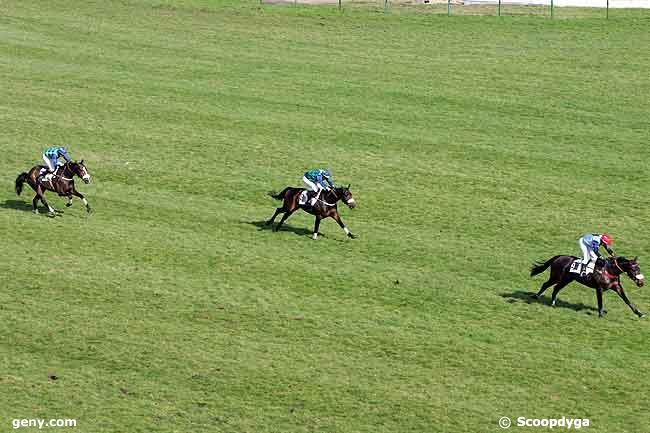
pixel 325 206
pixel 606 275
pixel 62 184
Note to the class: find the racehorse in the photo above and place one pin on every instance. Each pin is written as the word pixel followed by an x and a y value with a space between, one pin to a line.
pixel 63 184
pixel 606 276
pixel 325 206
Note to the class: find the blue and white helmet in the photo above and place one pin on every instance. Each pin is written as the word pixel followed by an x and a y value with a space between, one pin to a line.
pixel 326 173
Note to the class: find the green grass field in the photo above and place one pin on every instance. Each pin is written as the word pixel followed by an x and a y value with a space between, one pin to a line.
pixel 474 146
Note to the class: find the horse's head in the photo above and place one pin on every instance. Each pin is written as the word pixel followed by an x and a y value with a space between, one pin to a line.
pixel 631 268
pixel 80 170
pixel 345 195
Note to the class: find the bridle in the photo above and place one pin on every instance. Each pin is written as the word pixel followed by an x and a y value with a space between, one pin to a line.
pixel 612 276
pixel 618 266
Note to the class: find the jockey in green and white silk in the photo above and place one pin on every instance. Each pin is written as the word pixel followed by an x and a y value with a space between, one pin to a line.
pixel 317 180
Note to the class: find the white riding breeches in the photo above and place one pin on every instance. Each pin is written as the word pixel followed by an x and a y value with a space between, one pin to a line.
pixel 48 163
pixel 313 186
pixel 587 253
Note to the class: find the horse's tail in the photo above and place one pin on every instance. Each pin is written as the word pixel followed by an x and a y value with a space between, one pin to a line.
pixel 280 195
pixel 539 267
pixel 20 180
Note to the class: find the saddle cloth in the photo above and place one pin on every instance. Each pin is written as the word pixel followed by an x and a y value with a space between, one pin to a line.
pixel 43 170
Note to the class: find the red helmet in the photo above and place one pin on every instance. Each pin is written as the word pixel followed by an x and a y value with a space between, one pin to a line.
pixel 606 239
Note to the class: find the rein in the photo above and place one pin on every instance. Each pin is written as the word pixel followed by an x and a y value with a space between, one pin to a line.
pixel 329 204
pixel 617 265
pixel 612 276
pixel 326 203
pixel 65 168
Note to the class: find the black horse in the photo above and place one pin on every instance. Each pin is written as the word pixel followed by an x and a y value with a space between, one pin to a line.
pixel 325 206
pixel 62 184
pixel 606 276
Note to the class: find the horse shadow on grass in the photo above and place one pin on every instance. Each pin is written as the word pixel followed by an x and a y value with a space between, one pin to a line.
pixel 300 231
pixel 522 296
pixel 17 205
pixel 26 207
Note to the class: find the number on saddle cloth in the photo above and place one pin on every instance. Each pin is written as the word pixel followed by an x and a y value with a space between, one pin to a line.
pixel 43 170
pixel 304 197
pixel 576 266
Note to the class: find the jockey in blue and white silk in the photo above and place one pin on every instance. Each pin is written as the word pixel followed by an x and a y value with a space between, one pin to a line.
pixel 51 157
pixel 590 245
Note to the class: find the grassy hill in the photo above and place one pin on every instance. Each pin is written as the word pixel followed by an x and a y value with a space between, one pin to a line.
pixel 474 145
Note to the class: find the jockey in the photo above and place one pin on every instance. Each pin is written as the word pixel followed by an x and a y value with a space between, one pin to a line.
pixel 590 245
pixel 51 157
pixel 317 180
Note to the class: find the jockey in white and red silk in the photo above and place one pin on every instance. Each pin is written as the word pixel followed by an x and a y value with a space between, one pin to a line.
pixel 317 180
pixel 590 245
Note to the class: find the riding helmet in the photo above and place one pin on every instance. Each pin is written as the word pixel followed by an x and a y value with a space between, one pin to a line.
pixel 606 239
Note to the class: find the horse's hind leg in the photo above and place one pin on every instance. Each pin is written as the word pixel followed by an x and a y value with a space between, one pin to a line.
pixel 35 204
pixel 559 286
pixel 278 211
pixel 40 196
pixel 284 218
pixel 545 286
pixel 599 299
pixel 69 202
pixel 51 210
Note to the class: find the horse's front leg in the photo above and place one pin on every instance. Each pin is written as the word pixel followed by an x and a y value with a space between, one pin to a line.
pixel 619 290
pixel 83 199
pixel 314 236
pixel 337 218
pixel 69 202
